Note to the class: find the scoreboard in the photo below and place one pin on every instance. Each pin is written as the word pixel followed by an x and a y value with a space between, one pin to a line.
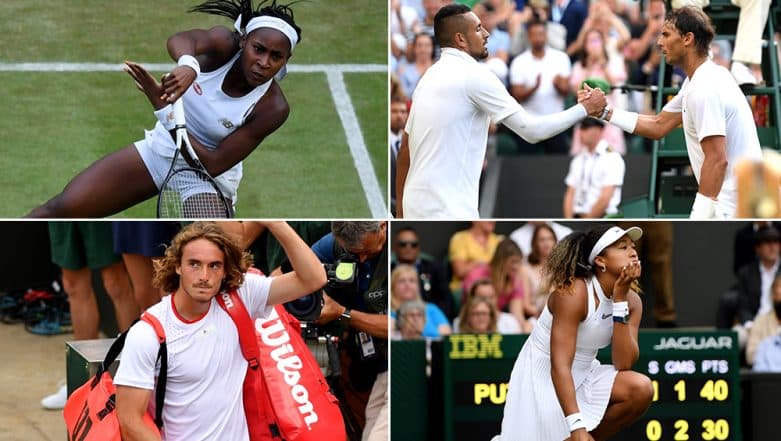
pixel 695 375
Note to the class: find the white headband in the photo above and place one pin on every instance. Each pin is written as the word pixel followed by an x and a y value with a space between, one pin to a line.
pixel 265 21
pixel 610 236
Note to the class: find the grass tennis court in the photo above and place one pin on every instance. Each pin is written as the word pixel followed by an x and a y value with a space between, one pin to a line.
pixel 55 124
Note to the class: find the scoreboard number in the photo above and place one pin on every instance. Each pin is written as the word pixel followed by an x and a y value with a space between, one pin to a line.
pixel 715 390
pixel 682 427
pixel 711 430
pixel 680 387
pixel 653 430
pixel 718 430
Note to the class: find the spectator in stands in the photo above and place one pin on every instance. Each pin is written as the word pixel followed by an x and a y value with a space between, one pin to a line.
pixel 508 275
pixel 754 280
pixel 751 294
pixel 506 323
pixel 405 287
pixel 478 316
pixel 745 242
pixel 411 321
pixel 721 53
pixel 422 58
pixel 469 248
pixel 539 79
pixel 571 14
pixel 593 61
pixel 430 7
pixel 595 176
pixel 498 40
pixel 539 10
pixel 523 236
pixel 643 56
pixel 433 284
pixel 543 240
pixel 398 118
pixel 768 357
pixel 766 325
pixel 403 19
pixel 602 18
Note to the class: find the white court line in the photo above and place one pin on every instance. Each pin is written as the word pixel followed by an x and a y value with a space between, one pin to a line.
pixel 357 147
pixel 334 73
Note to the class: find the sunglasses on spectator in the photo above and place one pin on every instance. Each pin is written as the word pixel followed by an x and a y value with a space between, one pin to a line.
pixel 404 243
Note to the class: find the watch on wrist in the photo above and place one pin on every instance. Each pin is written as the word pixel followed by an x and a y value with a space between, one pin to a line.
pixel 621 319
pixel 346 315
pixel 605 112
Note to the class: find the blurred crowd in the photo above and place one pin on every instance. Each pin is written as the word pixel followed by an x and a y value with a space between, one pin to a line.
pixel 543 51
pixel 490 283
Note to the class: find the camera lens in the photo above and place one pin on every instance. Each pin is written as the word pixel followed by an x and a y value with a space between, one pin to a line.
pixel 303 304
pixel 306 308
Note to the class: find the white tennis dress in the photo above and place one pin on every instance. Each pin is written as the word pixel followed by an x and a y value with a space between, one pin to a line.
pixel 211 115
pixel 532 411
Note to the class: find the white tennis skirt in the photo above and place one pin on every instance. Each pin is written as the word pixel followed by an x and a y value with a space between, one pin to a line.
pixel 532 410
pixel 157 151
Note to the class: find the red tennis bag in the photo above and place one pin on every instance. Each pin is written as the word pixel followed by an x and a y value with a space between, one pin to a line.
pixel 89 412
pixel 286 396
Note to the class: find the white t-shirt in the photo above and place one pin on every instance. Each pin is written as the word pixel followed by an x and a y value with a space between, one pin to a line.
pixel 452 107
pixel 203 398
pixel 712 104
pixel 766 275
pixel 524 70
pixel 590 172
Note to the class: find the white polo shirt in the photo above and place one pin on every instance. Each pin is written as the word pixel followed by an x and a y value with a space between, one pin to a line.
pixel 452 107
pixel 590 172
pixel 713 104
pixel 524 70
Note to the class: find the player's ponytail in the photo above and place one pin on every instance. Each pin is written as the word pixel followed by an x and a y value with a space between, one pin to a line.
pixel 232 9
pixel 567 261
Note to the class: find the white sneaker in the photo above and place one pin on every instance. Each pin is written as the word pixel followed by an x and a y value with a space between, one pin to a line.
pixel 742 73
pixel 56 401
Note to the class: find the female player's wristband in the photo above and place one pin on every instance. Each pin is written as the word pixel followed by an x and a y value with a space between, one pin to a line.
pixel 166 117
pixel 191 62
pixel 626 121
pixel 620 309
pixel 575 422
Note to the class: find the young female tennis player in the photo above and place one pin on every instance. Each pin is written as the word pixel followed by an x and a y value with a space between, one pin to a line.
pixel 232 102
pixel 558 390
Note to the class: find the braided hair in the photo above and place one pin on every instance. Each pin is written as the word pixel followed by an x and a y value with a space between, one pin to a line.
pixel 233 8
pixel 569 261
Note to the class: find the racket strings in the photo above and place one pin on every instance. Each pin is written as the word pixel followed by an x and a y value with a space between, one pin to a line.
pixel 190 194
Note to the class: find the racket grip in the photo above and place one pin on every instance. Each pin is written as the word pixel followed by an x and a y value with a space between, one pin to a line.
pixel 179 112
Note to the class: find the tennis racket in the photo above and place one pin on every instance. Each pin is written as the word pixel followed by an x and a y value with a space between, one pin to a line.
pixel 189 192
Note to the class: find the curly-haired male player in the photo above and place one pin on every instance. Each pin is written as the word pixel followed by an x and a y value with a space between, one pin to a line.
pixel 203 399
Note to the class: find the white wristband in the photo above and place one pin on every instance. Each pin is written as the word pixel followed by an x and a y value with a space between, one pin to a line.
pixel 191 62
pixel 703 208
pixel 166 117
pixel 620 309
pixel 575 422
pixel 626 121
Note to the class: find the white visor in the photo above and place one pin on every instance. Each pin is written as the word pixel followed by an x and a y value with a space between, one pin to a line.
pixel 610 237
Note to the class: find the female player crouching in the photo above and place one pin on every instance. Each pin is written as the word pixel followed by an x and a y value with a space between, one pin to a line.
pixel 558 390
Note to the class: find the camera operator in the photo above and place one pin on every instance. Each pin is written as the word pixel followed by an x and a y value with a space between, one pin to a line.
pixel 362 308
